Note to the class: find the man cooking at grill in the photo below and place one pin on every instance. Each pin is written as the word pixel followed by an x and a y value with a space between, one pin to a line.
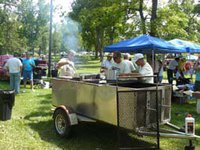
pixel 107 64
pixel 119 64
pixel 143 68
pixel 66 65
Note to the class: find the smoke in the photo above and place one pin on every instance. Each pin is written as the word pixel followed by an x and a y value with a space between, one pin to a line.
pixel 70 34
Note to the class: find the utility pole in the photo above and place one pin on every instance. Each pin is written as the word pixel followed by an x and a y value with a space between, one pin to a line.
pixel 50 38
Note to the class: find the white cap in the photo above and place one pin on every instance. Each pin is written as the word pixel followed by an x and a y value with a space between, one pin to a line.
pixel 127 54
pixel 138 56
pixel 109 54
pixel 72 51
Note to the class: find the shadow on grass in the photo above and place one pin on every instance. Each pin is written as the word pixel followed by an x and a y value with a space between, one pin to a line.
pixel 86 136
pixel 44 109
pixel 46 99
pixel 38 114
pixel 180 111
pixel 46 96
pixel 4 84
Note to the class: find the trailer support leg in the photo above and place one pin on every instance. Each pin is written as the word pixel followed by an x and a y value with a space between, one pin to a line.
pixel 190 146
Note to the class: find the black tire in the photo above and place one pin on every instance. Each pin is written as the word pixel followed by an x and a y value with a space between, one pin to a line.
pixel 61 123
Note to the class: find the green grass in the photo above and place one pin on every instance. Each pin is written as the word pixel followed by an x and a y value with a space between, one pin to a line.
pixel 93 66
pixel 31 126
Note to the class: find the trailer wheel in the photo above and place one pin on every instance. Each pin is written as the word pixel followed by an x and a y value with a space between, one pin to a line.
pixel 61 123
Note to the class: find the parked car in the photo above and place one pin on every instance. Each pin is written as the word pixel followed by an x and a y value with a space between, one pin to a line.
pixel 3 71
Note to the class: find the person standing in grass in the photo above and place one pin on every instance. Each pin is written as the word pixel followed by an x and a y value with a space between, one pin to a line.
pixel 14 67
pixel 160 71
pixel 28 66
pixel 173 67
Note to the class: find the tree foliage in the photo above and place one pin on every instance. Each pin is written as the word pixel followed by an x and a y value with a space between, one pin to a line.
pixel 99 21
pixel 107 21
pixel 24 24
pixel 33 19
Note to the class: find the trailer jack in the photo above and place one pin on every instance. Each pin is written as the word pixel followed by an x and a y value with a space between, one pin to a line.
pixel 190 146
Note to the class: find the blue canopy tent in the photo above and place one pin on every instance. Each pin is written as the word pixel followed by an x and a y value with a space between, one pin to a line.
pixel 188 46
pixel 144 44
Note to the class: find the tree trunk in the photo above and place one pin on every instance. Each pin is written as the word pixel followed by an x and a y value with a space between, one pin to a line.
pixel 99 42
pixel 96 51
pixel 111 35
pixel 153 18
pixel 153 31
pixel 33 51
pixel 143 24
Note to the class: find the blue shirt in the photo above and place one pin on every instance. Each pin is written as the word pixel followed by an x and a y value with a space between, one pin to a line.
pixel 27 64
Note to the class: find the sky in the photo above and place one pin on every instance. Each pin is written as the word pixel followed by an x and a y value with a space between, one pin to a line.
pixel 65 4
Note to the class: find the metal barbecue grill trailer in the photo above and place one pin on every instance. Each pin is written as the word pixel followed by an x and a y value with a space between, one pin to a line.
pixel 127 104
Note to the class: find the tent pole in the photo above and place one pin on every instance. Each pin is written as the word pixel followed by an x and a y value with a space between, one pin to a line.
pixel 153 62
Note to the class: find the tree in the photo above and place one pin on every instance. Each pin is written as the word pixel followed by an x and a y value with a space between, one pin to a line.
pixel 98 22
pixel 9 40
pixel 34 19
pixel 42 26
pixel 181 21
pixel 153 25
pixel 56 41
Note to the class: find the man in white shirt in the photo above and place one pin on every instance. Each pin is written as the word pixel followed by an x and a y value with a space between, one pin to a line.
pixel 132 67
pixel 66 65
pixel 144 68
pixel 119 64
pixel 14 66
pixel 107 64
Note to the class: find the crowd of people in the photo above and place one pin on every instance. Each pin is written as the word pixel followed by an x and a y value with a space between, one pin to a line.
pixel 25 65
pixel 123 64
pixel 127 67
pixel 178 69
pixel 21 66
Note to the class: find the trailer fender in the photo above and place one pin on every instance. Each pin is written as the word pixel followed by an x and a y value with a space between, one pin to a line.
pixel 73 119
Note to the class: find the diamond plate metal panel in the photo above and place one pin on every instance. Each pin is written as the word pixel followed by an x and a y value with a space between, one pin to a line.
pixel 127 109
pixel 137 108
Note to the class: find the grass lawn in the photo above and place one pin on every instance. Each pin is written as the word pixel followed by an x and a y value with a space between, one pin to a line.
pixel 91 67
pixel 31 126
